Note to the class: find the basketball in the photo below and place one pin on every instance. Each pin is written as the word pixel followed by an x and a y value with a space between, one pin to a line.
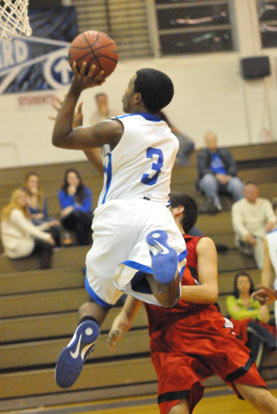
pixel 95 48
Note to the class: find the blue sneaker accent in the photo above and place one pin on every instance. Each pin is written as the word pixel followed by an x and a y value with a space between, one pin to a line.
pixel 164 257
pixel 71 360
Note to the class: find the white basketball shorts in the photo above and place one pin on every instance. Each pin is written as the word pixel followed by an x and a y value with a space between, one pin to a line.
pixel 119 256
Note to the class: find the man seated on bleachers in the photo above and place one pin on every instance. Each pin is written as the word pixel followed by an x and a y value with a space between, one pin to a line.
pixel 252 218
pixel 217 172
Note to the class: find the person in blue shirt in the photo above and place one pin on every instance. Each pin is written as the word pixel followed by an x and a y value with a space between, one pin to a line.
pixel 76 204
pixel 217 172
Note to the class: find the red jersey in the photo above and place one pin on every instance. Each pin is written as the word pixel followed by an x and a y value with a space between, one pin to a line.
pixel 191 342
pixel 158 317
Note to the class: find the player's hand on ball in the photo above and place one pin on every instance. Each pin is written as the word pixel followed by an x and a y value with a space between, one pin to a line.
pixel 82 81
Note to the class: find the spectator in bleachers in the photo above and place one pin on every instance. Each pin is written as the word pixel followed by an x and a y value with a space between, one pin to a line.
pixel 20 237
pixel 252 218
pixel 38 206
pixel 250 318
pixel 37 203
pixel 186 145
pixel 217 173
pixel 76 204
pixel 103 111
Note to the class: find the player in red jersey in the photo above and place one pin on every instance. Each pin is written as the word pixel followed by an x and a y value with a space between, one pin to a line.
pixel 193 340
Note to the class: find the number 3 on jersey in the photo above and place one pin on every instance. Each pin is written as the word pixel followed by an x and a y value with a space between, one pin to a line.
pixel 151 179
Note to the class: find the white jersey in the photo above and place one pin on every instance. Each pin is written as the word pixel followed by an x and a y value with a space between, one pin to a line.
pixel 272 249
pixel 141 163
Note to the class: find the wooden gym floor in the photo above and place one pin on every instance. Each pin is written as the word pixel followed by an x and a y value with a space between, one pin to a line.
pixel 221 401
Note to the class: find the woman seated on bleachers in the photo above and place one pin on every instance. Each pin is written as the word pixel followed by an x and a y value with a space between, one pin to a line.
pixel 38 206
pixel 250 319
pixel 20 237
pixel 76 204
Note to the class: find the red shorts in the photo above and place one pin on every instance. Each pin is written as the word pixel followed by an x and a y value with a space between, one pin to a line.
pixel 194 348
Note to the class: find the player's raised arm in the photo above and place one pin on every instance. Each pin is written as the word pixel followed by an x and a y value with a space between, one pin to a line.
pixel 267 269
pixel 65 136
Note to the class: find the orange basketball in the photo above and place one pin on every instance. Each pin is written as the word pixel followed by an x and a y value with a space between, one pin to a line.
pixel 95 48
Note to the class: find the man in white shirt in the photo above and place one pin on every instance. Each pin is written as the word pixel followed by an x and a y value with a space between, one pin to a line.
pixel 252 218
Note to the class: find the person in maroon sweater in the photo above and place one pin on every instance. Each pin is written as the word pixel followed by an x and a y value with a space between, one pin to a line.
pixel 192 340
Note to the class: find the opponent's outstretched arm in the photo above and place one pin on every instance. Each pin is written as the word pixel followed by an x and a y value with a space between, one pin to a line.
pixel 267 268
pixel 123 320
pixel 264 294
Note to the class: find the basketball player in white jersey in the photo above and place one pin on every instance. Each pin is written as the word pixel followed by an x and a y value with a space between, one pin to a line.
pixel 137 247
pixel 265 294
